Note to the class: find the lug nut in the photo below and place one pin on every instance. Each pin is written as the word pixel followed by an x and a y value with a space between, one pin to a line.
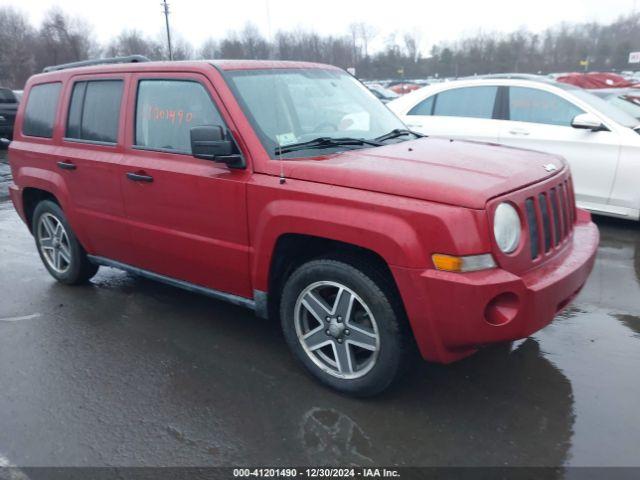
pixel 328 319
pixel 327 332
pixel 339 319
pixel 347 332
pixel 339 340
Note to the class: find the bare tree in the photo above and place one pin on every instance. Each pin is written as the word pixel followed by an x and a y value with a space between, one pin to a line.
pixel 133 42
pixel 412 42
pixel 209 49
pixel 253 43
pixel 367 33
pixel 17 38
pixel 62 39
pixel 182 49
pixel 231 47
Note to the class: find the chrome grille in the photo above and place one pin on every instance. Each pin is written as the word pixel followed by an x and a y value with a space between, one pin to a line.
pixel 550 217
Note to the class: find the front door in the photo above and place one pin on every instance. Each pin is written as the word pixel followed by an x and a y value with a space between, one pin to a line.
pixel 541 120
pixel 187 215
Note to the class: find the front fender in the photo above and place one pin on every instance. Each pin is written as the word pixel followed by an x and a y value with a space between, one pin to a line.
pixel 391 237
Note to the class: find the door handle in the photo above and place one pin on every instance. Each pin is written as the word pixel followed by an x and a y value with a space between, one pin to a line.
pixel 139 177
pixel 517 131
pixel 66 166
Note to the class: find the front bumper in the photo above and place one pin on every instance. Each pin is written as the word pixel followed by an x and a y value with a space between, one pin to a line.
pixel 452 314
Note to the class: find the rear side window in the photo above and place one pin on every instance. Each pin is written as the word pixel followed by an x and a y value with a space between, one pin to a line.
pixel 471 102
pixel 40 111
pixel 167 109
pixel 94 112
pixel 425 107
pixel 538 106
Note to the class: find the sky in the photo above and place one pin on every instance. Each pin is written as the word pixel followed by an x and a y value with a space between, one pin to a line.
pixel 436 21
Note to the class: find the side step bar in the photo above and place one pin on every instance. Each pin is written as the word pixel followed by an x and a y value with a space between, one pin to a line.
pixel 227 297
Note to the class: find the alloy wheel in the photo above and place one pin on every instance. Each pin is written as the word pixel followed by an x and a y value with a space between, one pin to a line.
pixel 54 244
pixel 337 330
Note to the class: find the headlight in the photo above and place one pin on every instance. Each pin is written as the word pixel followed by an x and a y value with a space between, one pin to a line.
pixel 506 227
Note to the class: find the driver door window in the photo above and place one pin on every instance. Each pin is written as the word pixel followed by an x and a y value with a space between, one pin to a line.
pixel 537 106
pixel 166 110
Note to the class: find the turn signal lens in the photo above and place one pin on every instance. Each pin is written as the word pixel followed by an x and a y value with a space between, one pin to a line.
pixel 470 263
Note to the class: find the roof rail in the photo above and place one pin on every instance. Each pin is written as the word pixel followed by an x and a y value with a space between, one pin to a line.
pixel 99 61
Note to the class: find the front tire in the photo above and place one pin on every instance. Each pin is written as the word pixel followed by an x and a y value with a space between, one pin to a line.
pixel 340 322
pixel 59 249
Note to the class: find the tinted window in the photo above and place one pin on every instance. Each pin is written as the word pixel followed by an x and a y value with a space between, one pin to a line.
pixel 75 110
pixel 537 106
pixel 167 109
pixel 425 107
pixel 7 96
pixel 473 102
pixel 41 110
pixel 94 111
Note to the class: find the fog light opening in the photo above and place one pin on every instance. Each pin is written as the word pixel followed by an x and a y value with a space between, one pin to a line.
pixel 502 309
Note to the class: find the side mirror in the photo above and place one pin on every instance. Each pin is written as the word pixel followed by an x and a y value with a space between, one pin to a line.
pixel 210 143
pixel 588 121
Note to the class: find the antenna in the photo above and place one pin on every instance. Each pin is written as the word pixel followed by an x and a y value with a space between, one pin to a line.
pixel 165 6
pixel 270 36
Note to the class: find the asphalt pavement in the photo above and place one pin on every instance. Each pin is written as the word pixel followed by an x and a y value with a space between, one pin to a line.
pixel 128 372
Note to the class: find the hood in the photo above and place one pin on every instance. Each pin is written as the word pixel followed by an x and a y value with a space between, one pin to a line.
pixel 461 173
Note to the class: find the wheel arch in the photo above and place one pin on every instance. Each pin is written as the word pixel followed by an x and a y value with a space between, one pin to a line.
pixel 31 197
pixel 292 250
pixel 37 184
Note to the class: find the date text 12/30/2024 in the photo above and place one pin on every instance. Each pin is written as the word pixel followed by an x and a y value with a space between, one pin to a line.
pixel 315 473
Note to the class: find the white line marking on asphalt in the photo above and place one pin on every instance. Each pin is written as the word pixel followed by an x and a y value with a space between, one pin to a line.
pixel 18 319
pixel 14 472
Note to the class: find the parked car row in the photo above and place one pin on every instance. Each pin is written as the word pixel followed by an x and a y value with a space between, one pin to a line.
pixel 600 141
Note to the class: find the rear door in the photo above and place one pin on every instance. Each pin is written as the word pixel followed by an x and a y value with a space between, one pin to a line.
pixel 89 158
pixel 541 120
pixel 187 215
pixel 464 112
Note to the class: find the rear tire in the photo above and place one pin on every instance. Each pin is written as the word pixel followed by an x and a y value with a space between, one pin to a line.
pixel 59 249
pixel 341 324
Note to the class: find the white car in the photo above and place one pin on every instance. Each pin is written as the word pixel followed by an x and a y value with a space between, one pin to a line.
pixel 600 141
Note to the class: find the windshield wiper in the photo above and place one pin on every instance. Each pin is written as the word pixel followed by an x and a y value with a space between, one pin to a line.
pixel 398 132
pixel 326 142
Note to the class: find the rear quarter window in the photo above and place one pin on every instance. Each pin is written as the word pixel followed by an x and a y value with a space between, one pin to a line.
pixel 425 107
pixel 40 112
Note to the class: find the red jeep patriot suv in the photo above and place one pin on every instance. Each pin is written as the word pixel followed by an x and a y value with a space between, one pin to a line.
pixel 289 189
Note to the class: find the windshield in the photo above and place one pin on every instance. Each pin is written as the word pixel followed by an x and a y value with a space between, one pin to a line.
pixel 290 106
pixel 611 111
pixel 627 103
pixel 382 92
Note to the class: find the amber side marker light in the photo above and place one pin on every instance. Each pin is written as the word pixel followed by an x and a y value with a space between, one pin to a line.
pixel 469 263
